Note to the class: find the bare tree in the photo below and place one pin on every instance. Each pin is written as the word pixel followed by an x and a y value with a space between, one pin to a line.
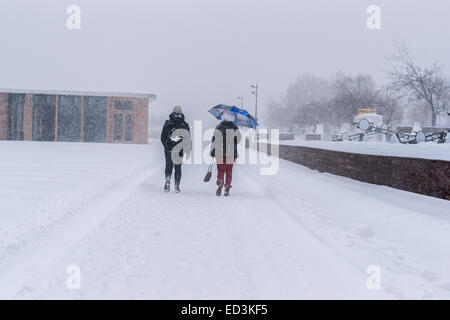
pixel 353 93
pixel 427 84
pixel 311 100
pixel 309 97
pixel 389 104
pixel 304 103
pixel 278 114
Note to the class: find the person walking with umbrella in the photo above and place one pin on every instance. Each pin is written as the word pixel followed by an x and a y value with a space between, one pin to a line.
pixel 224 148
pixel 176 139
pixel 225 141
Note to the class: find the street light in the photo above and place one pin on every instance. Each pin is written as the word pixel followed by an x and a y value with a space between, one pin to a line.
pixel 255 92
pixel 242 101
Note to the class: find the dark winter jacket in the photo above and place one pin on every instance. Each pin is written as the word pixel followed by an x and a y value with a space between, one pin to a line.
pixel 176 121
pixel 221 142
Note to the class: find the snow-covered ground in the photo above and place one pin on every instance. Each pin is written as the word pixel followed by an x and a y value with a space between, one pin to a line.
pixel 428 150
pixel 298 234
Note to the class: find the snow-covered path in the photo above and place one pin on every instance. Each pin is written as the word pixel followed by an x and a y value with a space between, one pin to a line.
pixel 298 234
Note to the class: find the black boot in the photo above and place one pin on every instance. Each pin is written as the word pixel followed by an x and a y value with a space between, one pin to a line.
pixel 227 191
pixel 219 189
pixel 177 187
pixel 167 186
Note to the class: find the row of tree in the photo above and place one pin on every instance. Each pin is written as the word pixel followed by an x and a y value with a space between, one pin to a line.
pixel 335 101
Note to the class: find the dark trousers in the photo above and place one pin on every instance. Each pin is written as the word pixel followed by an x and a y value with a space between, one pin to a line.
pixel 225 168
pixel 169 167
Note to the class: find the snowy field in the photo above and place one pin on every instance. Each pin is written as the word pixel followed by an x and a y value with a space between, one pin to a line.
pixel 428 150
pixel 299 234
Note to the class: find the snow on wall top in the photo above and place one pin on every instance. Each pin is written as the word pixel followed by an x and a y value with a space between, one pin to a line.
pixel 428 150
pixel 151 97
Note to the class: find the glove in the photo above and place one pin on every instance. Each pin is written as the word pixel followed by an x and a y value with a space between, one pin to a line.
pixel 175 139
pixel 188 155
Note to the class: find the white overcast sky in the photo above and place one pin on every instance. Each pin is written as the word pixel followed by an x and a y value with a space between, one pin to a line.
pixel 200 53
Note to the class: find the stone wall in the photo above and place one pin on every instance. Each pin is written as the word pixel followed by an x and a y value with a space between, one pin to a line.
pixel 427 177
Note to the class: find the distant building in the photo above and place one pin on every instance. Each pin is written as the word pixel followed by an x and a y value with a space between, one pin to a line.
pixel 74 116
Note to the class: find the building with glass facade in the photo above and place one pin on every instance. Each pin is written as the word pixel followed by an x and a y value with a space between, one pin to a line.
pixel 74 116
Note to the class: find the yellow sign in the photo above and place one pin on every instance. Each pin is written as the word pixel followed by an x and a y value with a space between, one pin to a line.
pixel 365 111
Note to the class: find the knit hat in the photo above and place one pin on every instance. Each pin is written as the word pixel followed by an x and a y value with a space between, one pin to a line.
pixel 177 109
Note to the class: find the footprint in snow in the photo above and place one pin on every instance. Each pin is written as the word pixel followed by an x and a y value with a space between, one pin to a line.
pixel 363 230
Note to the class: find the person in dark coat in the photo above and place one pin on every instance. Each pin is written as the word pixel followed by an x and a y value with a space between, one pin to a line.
pixel 176 139
pixel 224 148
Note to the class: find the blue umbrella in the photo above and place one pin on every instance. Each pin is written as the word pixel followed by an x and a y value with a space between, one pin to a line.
pixel 242 117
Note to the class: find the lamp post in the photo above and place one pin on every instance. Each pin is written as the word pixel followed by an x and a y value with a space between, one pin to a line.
pixel 255 92
pixel 242 101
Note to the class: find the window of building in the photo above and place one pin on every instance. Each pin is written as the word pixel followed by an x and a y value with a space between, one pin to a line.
pixel 44 113
pixel 118 124
pixel 129 126
pixel 123 105
pixel 95 119
pixel 69 118
pixel 15 116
